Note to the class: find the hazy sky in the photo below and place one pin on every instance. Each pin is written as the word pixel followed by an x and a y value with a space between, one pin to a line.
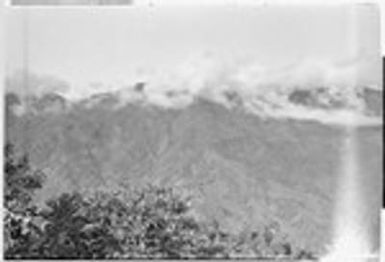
pixel 108 45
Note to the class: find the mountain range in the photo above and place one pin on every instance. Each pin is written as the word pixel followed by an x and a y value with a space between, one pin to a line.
pixel 242 169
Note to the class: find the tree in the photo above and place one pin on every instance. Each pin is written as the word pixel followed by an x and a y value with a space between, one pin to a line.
pixel 20 180
pixel 20 183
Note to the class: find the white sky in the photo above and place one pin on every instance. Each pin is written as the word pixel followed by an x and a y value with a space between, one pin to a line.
pixel 382 10
pixel 91 45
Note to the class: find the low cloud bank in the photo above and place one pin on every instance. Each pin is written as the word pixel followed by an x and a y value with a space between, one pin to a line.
pixel 309 89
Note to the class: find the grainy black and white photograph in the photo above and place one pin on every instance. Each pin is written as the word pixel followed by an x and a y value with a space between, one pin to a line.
pixel 249 132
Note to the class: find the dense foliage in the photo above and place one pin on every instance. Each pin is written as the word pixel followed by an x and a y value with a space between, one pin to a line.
pixel 149 223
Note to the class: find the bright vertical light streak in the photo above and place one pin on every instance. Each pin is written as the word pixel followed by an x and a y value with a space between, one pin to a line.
pixel 350 241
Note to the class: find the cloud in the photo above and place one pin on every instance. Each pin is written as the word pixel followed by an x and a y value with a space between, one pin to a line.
pixel 26 83
pixel 210 74
pixel 263 90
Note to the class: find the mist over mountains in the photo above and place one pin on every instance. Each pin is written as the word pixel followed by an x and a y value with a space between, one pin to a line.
pixel 327 104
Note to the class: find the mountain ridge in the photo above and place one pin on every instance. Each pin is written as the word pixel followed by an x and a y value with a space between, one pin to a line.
pixel 323 103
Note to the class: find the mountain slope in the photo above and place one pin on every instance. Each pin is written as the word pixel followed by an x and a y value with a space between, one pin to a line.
pixel 242 170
